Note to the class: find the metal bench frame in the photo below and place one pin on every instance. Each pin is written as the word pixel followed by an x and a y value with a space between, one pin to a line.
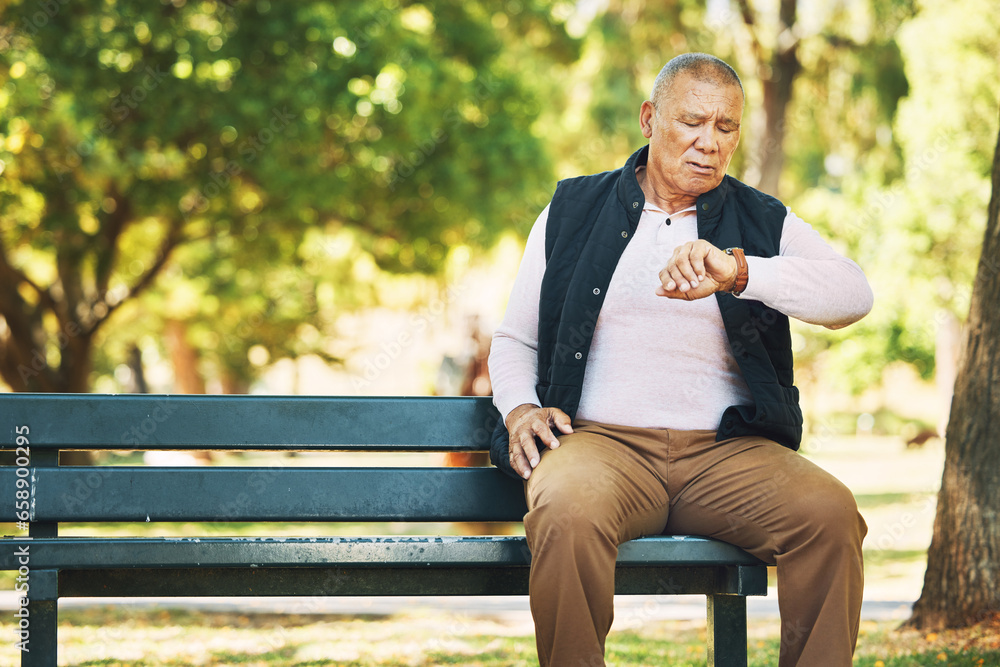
pixel 313 566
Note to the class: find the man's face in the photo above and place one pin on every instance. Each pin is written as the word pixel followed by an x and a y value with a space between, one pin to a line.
pixel 692 135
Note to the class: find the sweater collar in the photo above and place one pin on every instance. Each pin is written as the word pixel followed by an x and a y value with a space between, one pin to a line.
pixel 632 199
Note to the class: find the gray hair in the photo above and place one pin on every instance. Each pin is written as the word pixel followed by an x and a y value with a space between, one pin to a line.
pixel 702 66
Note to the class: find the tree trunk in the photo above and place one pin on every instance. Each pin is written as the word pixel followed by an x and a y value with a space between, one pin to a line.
pixel 137 381
pixel 233 384
pixel 24 357
pixel 961 585
pixel 777 78
pixel 770 154
pixel 183 355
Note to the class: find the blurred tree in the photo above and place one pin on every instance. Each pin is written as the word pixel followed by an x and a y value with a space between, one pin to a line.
pixel 593 117
pixel 229 162
pixel 961 586
pixel 842 59
pixel 844 45
pixel 776 61
pixel 911 202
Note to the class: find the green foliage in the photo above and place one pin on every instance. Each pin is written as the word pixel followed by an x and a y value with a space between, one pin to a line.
pixel 235 143
pixel 915 221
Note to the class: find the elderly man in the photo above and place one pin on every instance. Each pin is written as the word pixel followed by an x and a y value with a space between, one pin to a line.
pixel 675 413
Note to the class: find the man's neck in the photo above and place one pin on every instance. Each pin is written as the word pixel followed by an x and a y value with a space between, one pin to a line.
pixel 671 203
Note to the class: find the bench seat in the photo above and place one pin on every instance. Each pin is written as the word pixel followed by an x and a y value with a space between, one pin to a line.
pixel 418 565
pixel 265 565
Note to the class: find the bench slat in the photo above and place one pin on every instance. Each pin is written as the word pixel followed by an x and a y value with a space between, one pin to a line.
pixel 151 421
pixel 127 493
pixel 332 581
pixel 397 551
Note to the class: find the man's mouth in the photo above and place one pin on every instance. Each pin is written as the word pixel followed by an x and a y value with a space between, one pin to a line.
pixel 701 168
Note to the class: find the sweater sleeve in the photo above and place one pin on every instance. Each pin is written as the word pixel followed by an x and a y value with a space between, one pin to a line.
pixel 513 358
pixel 809 280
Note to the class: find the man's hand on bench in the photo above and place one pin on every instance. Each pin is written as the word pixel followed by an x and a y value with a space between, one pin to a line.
pixel 527 422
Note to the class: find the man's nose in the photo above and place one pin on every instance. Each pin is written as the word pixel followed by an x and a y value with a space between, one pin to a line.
pixel 706 141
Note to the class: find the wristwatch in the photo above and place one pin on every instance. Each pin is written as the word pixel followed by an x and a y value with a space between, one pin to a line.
pixel 742 276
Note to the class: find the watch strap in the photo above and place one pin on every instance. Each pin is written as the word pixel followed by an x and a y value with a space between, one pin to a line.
pixel 742 273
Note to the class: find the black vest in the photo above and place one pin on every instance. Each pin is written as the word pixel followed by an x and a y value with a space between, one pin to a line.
pixel 591 220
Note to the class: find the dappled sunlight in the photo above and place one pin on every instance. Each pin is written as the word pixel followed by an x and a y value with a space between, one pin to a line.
pixel 333 199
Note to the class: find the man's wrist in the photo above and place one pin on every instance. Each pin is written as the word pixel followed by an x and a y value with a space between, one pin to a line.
pixel 739 283
pixel 730 282
pixel 517 411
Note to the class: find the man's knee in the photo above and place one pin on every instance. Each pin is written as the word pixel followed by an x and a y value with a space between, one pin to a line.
pixel 563 512
pixel 833 513
pixel 568 517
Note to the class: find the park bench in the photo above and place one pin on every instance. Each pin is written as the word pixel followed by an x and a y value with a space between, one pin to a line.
pixel 38 491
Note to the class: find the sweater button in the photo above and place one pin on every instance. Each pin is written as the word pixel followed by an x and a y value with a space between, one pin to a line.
pixel 704 206
pixel 635 204
pixel 624 234
pixel 578 355
pixel 597 290
pixel 728 425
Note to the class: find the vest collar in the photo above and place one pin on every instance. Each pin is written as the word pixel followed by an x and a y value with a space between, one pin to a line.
pixel 710 207
pixel 629 193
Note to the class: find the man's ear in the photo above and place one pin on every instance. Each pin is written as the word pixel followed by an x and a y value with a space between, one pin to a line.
pixel 646 114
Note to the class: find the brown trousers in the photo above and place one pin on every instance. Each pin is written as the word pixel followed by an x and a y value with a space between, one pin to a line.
pixel 605 485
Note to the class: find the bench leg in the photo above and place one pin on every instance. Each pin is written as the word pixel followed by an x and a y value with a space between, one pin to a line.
pixel 727 631
pixel 43 641
pixel 40 637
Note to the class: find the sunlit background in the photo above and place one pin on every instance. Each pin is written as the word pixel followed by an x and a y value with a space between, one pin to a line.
pixel 332 197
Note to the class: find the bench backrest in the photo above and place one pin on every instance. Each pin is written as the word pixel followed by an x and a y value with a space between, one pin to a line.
pixel 277 492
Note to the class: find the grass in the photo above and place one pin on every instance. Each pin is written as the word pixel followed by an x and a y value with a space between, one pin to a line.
pixel 881 557
pixel 870 500
pixel 161 638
